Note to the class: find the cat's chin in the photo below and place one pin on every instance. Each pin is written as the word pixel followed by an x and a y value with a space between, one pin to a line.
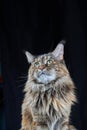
pixel 46 79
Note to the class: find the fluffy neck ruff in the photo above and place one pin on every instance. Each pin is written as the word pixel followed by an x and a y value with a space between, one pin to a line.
pixel 53 100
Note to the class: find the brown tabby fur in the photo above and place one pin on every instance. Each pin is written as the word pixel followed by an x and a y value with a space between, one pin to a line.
pixel 48 106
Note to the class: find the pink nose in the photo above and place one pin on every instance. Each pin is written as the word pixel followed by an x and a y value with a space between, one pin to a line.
pixel 41 67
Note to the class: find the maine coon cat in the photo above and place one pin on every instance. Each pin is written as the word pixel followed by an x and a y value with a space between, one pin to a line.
pixel 49 93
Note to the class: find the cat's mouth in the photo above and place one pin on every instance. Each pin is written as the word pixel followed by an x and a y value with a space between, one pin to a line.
pixel 43 73
pixel 45 77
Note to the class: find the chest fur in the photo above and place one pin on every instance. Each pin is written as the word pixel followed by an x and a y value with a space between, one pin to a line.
pixel 48 103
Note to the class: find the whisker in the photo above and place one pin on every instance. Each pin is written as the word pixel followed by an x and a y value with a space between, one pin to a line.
pixel 22 85
pixel 21 80
pixel 30 81
pixel 23 77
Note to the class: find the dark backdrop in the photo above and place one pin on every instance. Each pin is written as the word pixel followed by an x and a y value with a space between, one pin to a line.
pixel 37 26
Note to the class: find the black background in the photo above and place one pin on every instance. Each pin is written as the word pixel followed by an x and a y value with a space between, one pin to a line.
pixel 37 26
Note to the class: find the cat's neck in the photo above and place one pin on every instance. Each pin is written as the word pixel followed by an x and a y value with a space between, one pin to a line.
pixel 64 83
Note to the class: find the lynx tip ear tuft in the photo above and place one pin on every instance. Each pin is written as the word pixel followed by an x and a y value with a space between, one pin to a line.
pixel 62 42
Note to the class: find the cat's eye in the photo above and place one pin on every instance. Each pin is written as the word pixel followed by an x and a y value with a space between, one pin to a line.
pixel 37 64
pixel 49 61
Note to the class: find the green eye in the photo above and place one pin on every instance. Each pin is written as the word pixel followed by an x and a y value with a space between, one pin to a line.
pixel 49 62
pixel 37 64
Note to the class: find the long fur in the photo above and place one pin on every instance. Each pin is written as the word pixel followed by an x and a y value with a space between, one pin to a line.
pixel 48 106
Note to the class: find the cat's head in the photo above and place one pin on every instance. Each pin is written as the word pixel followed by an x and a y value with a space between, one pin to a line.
pixel 49 67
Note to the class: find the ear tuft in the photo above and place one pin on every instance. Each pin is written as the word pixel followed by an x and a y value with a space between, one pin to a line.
pixel 29 56
pixel 59 50
pixel 62 42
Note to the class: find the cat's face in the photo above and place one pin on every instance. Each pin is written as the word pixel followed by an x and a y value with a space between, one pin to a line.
pixel 44 71
pixel 48 67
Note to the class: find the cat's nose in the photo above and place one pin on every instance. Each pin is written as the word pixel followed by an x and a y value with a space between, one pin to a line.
pixel 41 67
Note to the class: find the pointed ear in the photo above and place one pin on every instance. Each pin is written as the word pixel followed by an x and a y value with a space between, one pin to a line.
pixel 59 50
pixel 29 56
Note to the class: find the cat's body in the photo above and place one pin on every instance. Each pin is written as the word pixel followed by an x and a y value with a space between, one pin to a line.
pixel 49 93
